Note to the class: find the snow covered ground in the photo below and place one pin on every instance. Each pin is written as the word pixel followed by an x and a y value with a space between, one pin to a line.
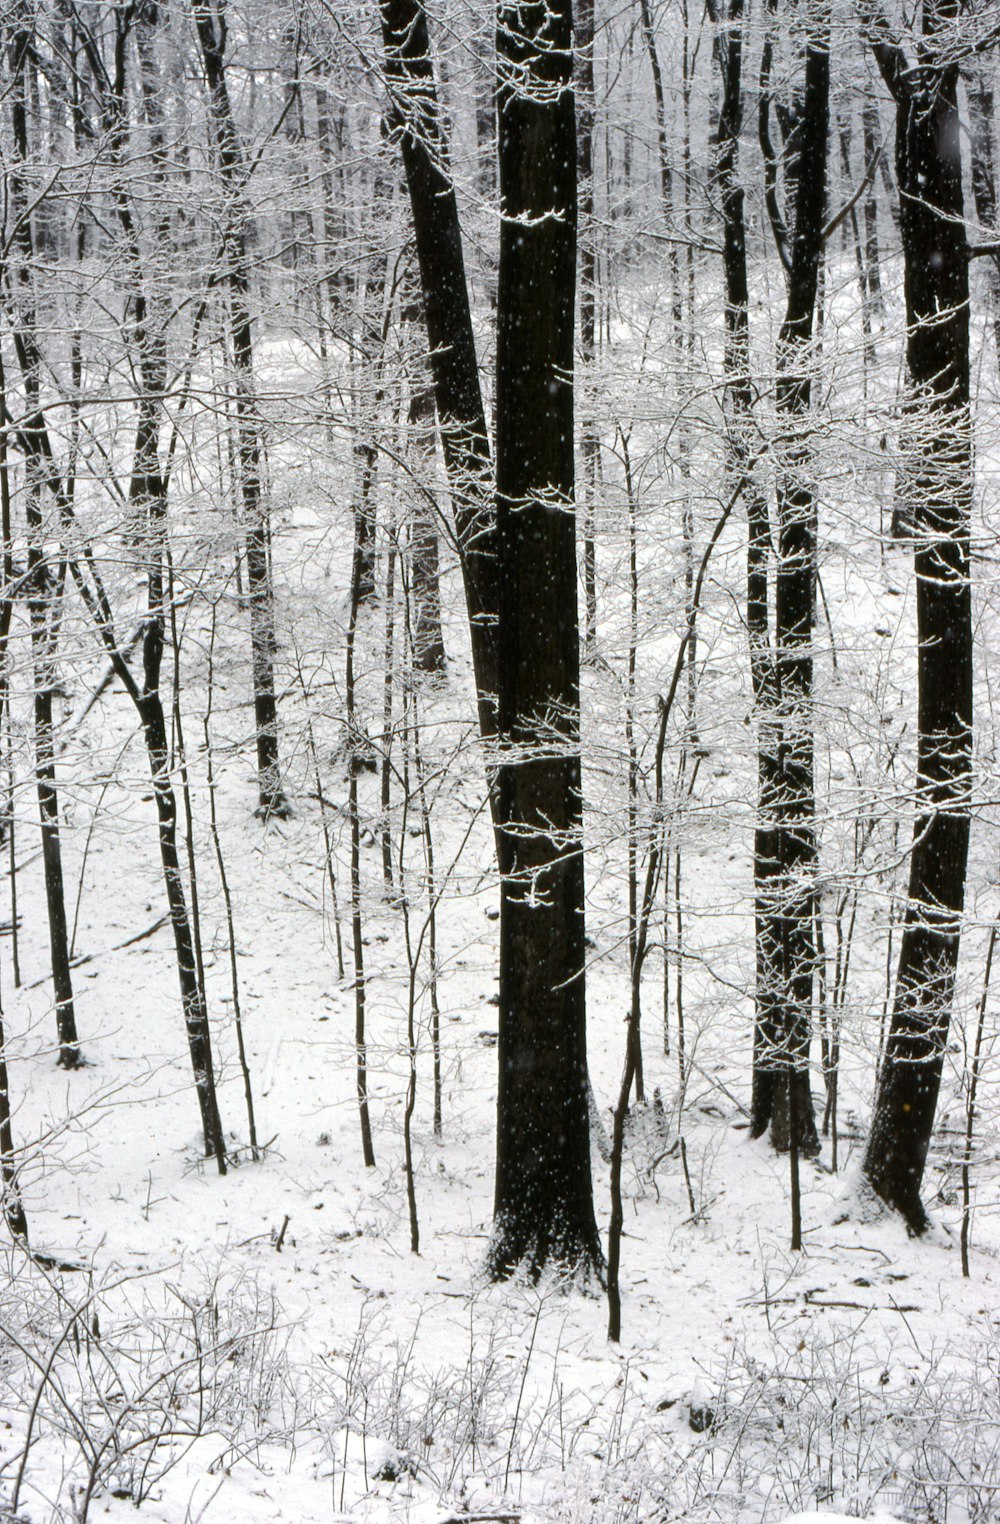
pixel 265 1347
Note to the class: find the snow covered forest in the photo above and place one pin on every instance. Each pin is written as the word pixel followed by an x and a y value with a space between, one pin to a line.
pixel 499 797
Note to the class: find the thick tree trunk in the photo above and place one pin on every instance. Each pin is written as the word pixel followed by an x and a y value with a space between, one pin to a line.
pixel 211 26
pixel 544 1209
pixel 939 448
pixel 589 439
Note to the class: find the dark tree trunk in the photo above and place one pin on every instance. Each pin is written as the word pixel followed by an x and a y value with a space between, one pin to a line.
pixel 938 444
pixel 544 1210
pixel 41 610
pixel 147 508
pixel 328 142
pixel 10 1193
pixel 192 999
pixel 784 842
pixel 148 500
pixel 740 430
pixel 211 26
pixel 793 887
pixel 357 930
pixel 376 317
pixel 428 638
pixel 42 594
pixel 457 394
pixel 589 440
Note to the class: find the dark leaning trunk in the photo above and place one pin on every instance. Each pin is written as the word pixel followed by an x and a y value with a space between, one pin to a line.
pixel 192 1000
pixel 416 123
pixel 935 251
pixel 544 1211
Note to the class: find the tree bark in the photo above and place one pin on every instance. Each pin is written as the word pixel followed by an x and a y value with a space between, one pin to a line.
pixel 793 888
pixel 147 508
pixel 210 21
pixel 416 122
pixel 740 427
pixel 939 449
pixel 544 1212
pixel 42 595
pixel 427 636
pixel 871 139
pixel 589 437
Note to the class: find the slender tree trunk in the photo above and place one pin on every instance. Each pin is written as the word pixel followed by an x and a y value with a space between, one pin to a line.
pixel 210 21
pixel 872 142
pixel 939 448
pixel 544 1210
pixel 795 602
pixel 376 317
pixel 982 120
pixel 353 764
pixel 42 594
pixel 739 434
pixel 147 507
pixel 329 137
pixel 860 261
pixel 427 638
pixel 10 1192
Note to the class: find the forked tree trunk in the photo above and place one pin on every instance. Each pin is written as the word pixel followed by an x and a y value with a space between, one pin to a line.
pixel 938 445
pixel 544 1211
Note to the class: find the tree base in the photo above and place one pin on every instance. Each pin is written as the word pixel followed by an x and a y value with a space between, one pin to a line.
pixel 574 1262
pixel 566 1275
pixel 276 807
pixel 906 1203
